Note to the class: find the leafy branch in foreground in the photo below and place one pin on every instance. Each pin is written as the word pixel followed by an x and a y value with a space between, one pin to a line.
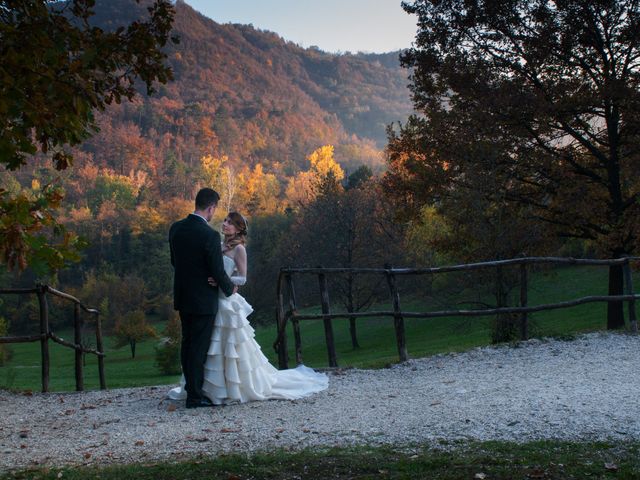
pixel 56 70
pixel 30 234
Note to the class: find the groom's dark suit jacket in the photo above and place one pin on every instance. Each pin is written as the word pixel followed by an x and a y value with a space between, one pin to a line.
pixel 195 256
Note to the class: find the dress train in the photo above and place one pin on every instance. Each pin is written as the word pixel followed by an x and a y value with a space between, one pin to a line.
pixel 236 370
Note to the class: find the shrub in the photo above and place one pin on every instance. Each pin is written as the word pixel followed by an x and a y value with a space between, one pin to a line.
pixel 5 351
pixel 168 349
pixel 132 328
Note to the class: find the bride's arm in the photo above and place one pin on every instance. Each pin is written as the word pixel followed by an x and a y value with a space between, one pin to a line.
pixel 240 259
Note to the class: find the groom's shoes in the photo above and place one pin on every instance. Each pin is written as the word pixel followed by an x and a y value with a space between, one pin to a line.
pixel 203 402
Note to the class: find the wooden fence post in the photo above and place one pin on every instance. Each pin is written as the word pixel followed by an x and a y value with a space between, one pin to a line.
pixel 100 348
pixel 294 321
pixel 44 335
pixel 77 339
pixel 283 355
pixel 628 280
pixel 328 328
pixel 398 320
pixel 524 321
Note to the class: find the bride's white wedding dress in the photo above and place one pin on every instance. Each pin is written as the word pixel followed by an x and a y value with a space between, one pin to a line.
pixel 236 370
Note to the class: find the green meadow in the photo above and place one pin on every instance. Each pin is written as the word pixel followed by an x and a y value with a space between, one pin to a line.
pixel 376 337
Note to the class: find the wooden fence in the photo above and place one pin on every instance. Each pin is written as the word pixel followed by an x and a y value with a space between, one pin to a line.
pixel 286 282
pixel 46 334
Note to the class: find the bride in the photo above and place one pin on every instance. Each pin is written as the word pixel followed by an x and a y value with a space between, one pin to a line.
pixel 236 370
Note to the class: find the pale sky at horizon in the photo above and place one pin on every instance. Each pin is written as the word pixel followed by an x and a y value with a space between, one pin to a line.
pixel 332 25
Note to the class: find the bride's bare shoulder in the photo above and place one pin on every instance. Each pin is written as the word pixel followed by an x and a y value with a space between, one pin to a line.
pixel 239 251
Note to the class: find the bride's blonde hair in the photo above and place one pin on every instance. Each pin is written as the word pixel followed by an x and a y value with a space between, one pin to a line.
pixel 240 238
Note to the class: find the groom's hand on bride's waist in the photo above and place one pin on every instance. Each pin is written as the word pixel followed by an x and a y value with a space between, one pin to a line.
pixel 213 283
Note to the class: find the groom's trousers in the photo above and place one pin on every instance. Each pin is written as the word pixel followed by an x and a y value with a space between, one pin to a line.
pixel 196 337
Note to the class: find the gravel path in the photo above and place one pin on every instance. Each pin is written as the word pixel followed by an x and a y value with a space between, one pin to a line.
pixel 586 389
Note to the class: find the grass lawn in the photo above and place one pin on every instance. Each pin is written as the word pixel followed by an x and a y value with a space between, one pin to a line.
pixel 482 460
pixel 376 337
pixel 23 371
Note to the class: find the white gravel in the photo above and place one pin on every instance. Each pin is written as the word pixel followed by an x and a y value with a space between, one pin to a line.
pixel 586 389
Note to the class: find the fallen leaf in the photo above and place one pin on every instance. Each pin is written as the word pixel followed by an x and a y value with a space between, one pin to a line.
pixel 279 430
pixel 87 455
pixel 228 430
pixel 139 443
pixel 172 408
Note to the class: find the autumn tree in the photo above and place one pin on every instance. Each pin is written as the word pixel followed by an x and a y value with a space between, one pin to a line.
pixel 303 188
pixel 263 190
pixel 541 96
pixel 219 174
pixel 132 328
pixel 56 70
pixel 114 295
pixel 323 164
pixel 348 228
pixel 466 227
pixel 269 239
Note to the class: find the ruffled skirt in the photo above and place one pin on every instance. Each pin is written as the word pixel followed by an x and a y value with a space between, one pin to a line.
pixel 236 370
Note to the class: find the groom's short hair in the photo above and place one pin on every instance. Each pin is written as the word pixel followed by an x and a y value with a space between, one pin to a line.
pixel 206 197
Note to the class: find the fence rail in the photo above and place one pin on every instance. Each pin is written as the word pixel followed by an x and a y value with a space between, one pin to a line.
pixel 285 282
pixel 46 334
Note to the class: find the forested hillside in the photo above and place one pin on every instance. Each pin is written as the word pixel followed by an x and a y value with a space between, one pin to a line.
pixel 270 125
pixel 255 98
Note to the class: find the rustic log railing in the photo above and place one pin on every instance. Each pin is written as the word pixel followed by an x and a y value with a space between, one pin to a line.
pixel 45 334
pixel 285 280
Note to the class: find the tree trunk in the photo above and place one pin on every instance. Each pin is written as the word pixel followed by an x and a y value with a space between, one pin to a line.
pixel 615 311
pixel 352 331
pixel 352 320
pixel 132 343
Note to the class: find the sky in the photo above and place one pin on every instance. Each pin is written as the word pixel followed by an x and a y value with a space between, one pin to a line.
pixel 332 25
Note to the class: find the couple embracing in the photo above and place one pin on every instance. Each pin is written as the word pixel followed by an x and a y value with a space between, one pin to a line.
pixel 221 361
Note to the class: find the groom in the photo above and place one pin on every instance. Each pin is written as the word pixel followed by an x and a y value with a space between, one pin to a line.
pixel 196 255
